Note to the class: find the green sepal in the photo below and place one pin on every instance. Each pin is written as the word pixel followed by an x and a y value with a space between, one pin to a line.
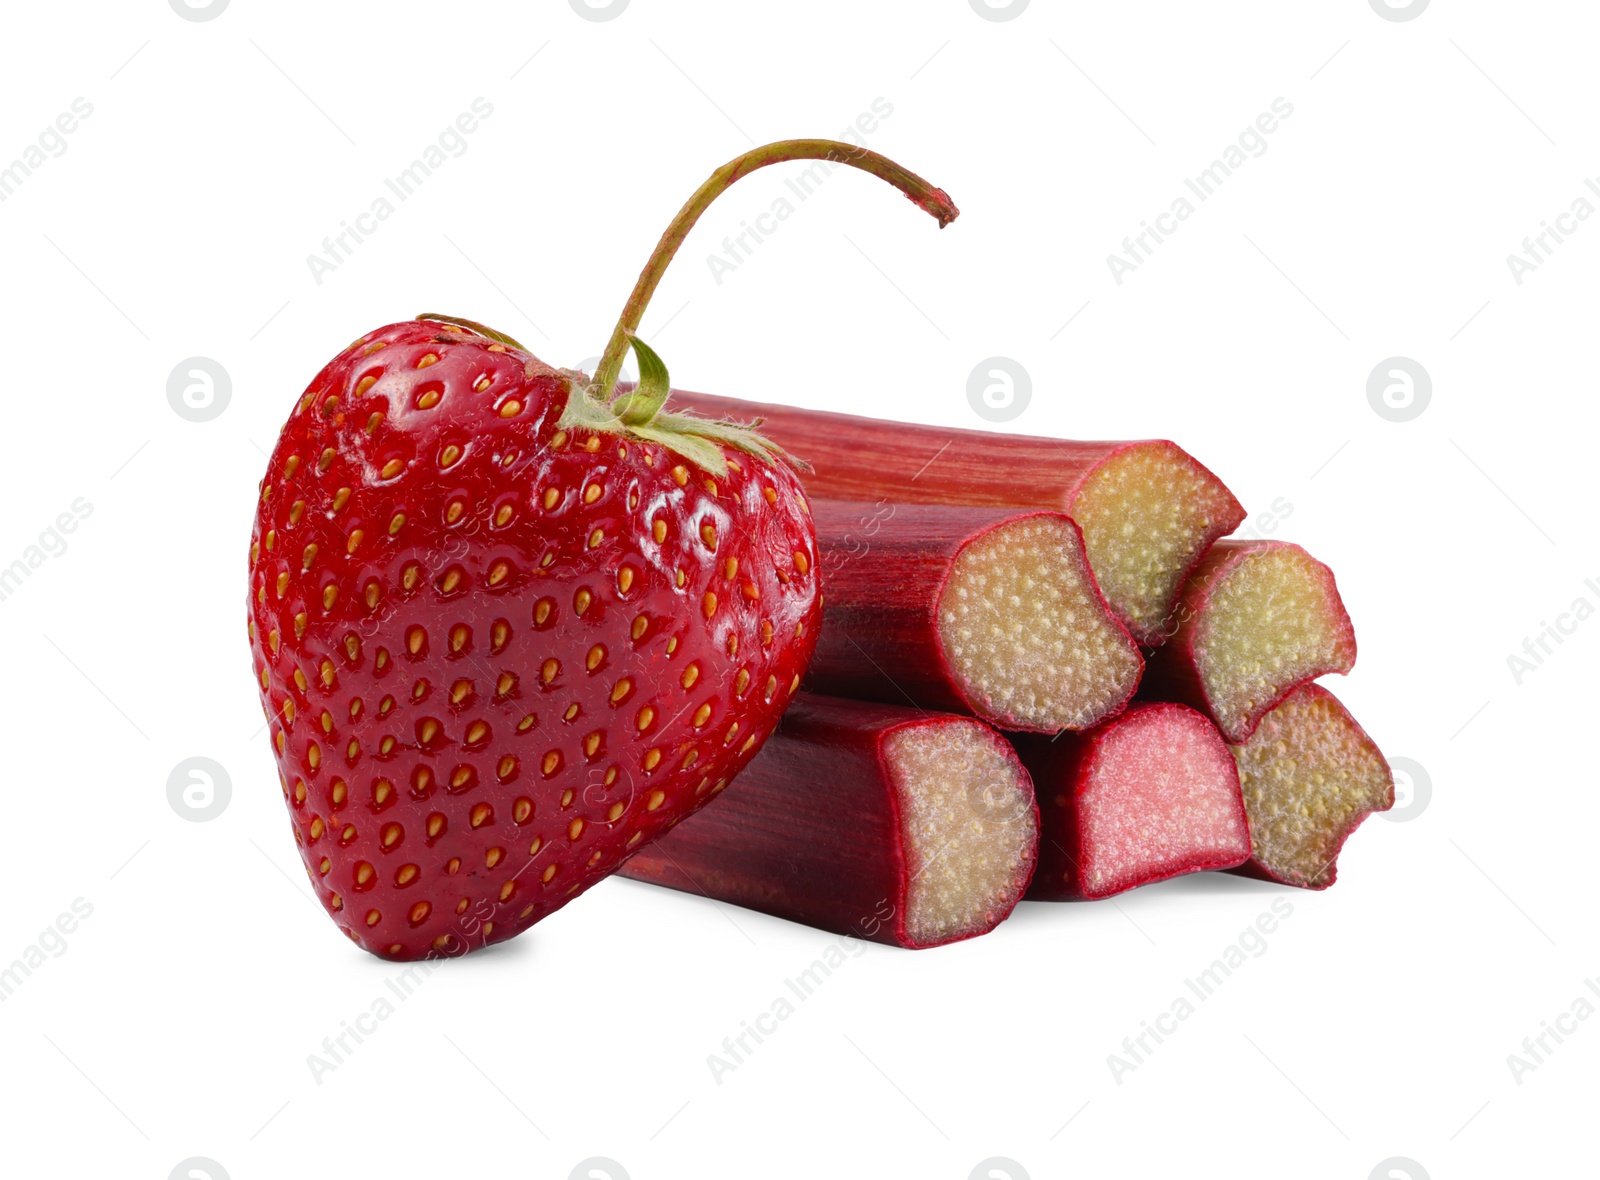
pixel 700 451
pixel 645 401
pixel 584 412
pixel 638 414
pixel 735 434
pixel 481 329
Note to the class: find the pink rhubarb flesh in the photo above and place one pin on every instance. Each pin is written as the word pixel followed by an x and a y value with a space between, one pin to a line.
pixel 1310 775
pixel 1148 510
pixel 1148 795
pixel 1256 620
pixel 914 829
pixel 988 611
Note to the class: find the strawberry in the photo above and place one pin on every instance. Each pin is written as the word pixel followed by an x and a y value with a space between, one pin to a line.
pixel 507 627
pixel 499 653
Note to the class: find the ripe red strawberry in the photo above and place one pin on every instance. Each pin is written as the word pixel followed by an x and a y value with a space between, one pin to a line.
pixel 497 654
pixel 507 629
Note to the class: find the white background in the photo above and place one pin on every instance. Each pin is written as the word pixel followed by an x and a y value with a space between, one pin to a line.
pixel 177 1021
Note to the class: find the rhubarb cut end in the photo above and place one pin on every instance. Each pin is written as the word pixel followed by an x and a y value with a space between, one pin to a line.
pixel 1310 775
pixel 1026 633
pixel 1148 513
pixel 969 826
pixel 1273 621
pixel 1160 798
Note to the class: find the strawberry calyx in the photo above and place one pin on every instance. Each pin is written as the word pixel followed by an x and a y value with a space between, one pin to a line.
pixel 638 413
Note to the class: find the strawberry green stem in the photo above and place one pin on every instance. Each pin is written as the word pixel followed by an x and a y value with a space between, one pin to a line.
pixel 934 201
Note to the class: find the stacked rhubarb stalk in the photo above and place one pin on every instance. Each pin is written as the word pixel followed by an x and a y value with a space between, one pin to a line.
pixel 1042 673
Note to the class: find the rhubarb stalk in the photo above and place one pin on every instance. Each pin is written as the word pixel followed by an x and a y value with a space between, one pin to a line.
pixel 1256 620
pixel 1148 510
pixel 1148 795
pixel 913 829
pixel 988 611
pixel 1310 775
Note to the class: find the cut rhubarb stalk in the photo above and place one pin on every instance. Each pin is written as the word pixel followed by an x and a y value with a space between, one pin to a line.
pixel 1256 620
pixel 913 829
pixel 1310 776
pixel 1148 510
pixel 987 611
pixel 1148 795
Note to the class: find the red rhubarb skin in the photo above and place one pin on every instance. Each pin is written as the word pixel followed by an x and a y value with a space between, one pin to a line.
pixel 1254 868
pixel 885 568
pixel 871 459
pixel 1172 670
pixel 1064 771
pixel 855 458
pixel 812 829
